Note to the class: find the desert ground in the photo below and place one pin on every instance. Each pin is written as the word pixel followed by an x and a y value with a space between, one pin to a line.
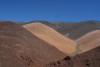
pixel 50 44
pixel 52 37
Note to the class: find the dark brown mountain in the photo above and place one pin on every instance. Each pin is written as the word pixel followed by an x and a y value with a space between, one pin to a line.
pixel 75 30
pixel 19 48
pixel 72 30
pixel 87 59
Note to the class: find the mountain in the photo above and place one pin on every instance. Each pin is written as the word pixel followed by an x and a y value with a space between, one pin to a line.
pixel 88 59
pixel 89 40
pixel 43 44
pixel 73 30
pixel 20 48
pixel 52 37
pixel 43 22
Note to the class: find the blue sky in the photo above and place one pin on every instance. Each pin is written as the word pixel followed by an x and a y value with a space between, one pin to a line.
pixel 50 10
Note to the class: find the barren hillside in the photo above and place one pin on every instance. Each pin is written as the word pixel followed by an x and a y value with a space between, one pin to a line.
pixel 19 48
pixel 88 59
pixel 52 37
pixel 73 30
pixel 89 41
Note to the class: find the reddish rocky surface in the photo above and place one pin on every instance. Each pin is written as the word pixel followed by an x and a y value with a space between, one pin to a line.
pixel 19 48
pixel 87 59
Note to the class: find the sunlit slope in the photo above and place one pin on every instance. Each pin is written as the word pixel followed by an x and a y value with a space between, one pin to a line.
pixel 89 41
pixel 52 37
pixel 20 48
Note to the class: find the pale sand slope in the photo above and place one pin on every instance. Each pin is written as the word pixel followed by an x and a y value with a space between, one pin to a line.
pixel 52 37
pixel 89 41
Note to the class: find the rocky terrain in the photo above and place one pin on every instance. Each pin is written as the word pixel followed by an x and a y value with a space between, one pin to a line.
pixel 49 44
pixel 19 48
pixel 88 59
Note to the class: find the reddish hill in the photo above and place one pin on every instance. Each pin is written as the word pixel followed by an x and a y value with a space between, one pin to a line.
pixel 19 48
pixel 87 59
pixel 89 41
pixel 52 37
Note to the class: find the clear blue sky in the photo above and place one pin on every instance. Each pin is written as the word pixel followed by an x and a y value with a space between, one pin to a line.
pixel 50 10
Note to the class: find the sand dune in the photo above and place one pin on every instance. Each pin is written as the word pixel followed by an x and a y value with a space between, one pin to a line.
pixel 20 48
pixel 89 41
pixel 52 37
